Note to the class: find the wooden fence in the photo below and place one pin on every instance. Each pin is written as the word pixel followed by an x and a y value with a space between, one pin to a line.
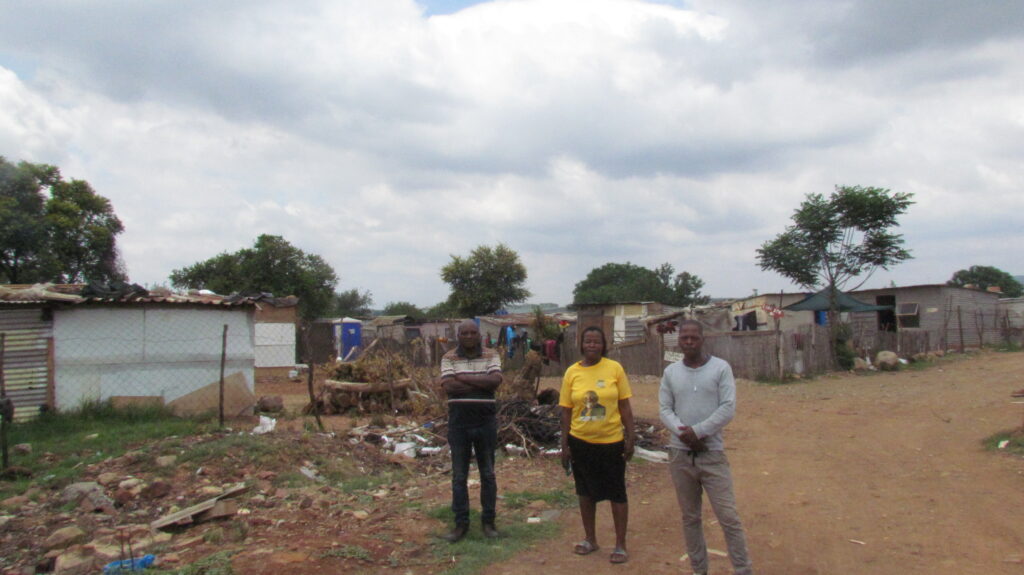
pixel 752 354
pixel 806 350
pixel 905 343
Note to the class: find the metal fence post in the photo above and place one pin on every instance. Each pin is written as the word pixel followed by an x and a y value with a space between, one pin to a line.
pixel 223 360
pixel 6 411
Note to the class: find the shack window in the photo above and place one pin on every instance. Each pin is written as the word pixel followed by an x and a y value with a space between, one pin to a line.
pixel 907 315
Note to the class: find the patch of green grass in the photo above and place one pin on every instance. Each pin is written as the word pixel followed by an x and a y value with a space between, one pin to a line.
pixel 1008 346
pixel 350 484
pixel 474 553
pixel 413 504
pixel 349 552
pixel 64 442
pixel 1013 437
pixel 559 498
pixel 214 536
pixel 216 564
pixel 250 447
pixel 291 479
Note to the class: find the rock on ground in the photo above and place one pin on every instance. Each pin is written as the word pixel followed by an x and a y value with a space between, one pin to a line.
pixel 887 361
pixel 64 537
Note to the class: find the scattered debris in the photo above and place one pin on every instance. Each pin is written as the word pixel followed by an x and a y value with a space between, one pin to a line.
pixel 129 565
pixel 219 506
pixel 311 473
pixel 406 448
pixel 266 425
pixel 653 456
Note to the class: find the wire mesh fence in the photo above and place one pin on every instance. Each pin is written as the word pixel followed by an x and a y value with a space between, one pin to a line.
pixel 137 355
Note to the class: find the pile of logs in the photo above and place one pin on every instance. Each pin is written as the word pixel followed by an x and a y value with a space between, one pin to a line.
pixel 340 396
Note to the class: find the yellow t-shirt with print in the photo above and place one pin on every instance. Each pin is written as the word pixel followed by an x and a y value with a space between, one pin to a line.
pixel 593 393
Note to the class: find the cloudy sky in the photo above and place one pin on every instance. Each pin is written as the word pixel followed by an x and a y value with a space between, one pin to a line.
pixel 387 135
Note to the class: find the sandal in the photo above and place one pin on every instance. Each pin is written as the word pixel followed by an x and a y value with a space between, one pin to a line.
pixel 618 556
pixel 585 547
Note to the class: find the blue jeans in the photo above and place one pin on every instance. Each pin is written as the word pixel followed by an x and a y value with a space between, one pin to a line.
pixel 464 441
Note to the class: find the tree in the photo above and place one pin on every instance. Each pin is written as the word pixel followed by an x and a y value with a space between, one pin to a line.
pixel 83 232
pixel 55 230
pixel 987 276
pixel 615 282
pixel 441 310
pixel 271 265
pixel 351 303
pixel 485 281
pixel 834 240
pixel 403 308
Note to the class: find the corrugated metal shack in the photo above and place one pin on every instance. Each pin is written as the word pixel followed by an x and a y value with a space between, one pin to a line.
pixel 621 321
pixel 754 313
pixel 935 316
pixel 63 349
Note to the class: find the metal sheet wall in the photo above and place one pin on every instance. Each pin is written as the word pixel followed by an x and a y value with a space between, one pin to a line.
pixel 27 359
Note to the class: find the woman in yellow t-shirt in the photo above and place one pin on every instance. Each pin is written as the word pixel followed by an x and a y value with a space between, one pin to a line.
pixel 597 438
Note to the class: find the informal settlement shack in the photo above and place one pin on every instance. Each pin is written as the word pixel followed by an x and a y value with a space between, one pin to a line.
pixel 66 345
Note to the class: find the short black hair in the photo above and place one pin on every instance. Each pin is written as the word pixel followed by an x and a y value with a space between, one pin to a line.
pixel 700 326
pixel 458 328
pixel 604 340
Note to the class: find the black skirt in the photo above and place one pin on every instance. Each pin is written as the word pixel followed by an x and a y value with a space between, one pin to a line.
pixel 599 470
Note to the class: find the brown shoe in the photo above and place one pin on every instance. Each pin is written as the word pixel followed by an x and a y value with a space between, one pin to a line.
pixel 490 532
pixel 456 535
pixel 1018 393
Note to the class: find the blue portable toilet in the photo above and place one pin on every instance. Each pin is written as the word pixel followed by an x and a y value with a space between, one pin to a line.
pixel 351 335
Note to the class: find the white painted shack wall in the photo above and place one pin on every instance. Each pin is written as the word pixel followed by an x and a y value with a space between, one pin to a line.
pixel 275 345
pixel 169 352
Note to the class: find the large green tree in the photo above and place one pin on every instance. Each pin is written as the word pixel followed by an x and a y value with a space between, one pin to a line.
pixel 403 308
pixel 988 276
pixel 485 281
pixel 55 230
pixel 614 282
pixel 352 303
pixel 833 240
pixel 271 265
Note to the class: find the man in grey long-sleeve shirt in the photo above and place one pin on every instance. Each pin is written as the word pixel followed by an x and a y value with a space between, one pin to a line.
pixel 698 399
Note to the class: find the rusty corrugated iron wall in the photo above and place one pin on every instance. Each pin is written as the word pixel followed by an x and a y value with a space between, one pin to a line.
pixel 28 359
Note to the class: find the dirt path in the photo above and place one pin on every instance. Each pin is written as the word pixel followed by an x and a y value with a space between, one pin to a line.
pixel 878 474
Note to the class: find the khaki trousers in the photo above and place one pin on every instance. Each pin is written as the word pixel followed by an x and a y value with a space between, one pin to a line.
pixel 694 474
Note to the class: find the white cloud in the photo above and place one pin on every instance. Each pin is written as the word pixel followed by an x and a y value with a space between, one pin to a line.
pixel 577 131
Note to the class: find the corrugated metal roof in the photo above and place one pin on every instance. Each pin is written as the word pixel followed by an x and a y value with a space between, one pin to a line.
pixel 69 294
pixel 525 318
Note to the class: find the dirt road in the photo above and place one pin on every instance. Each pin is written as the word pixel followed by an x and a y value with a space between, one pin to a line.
pixel 844 475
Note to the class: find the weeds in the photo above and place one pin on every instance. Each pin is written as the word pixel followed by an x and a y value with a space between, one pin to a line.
pixel 349 552
pixel 559 498
pixel 475 552
pixel 251 447
pixel 216 564
pixel 1014 439
pixel 1008 346
pixel 64 442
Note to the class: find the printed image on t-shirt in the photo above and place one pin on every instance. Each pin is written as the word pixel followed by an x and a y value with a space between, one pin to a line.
pixel 592 409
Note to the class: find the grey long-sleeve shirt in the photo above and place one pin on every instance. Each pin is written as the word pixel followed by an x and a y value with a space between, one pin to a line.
pixel 703 398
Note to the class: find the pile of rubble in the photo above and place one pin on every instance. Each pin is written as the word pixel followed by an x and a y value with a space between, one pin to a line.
pixel 524 428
